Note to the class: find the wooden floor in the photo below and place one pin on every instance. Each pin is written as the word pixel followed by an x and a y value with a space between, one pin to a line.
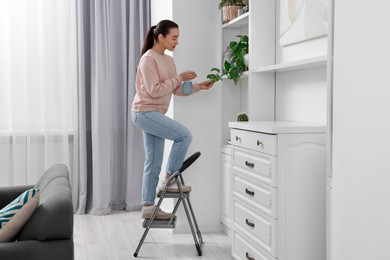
pixel 116 236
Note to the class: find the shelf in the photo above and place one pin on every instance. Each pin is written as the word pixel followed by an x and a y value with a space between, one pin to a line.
pixel 294 65
pixel 279 127
pixel 237 23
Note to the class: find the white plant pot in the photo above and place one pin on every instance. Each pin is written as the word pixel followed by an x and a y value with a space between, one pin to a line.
pixel 246 60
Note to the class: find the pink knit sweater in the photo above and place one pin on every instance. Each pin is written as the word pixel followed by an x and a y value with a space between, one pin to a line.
pixel 156 81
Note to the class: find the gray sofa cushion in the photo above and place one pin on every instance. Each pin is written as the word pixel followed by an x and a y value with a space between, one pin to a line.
pixel 53 219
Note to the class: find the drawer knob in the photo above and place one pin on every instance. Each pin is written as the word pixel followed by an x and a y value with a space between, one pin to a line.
pixel 251 165
pixel 249 257
pixel 249 223
pixel 260 143
pixel 252 193
pixel 238 138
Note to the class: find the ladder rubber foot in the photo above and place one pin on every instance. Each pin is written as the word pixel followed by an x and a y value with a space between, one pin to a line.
pixel 198 249
pixel 135 254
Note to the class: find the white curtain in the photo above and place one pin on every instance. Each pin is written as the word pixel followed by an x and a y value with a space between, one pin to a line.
pixel 38 89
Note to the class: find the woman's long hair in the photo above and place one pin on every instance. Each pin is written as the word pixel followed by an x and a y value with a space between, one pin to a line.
pixel 163 28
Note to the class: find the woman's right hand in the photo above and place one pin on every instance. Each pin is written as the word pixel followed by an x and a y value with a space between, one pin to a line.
pixel 188 75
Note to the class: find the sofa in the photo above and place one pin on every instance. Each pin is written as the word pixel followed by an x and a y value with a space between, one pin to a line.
pixel 48 234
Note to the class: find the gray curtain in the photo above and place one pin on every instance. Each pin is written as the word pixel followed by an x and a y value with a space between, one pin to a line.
pixel 110 36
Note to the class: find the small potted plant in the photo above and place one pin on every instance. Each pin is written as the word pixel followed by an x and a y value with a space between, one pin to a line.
pixel 234 68
pixel 230 9
pixel 242 117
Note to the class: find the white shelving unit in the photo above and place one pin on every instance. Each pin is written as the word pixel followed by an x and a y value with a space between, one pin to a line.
pixel 256 91
pixel 279 78
pixel 234 97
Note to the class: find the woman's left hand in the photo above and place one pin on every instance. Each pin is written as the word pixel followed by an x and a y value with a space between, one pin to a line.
pixel 205 85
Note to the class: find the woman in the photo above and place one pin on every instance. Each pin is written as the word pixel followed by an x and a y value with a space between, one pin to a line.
pixel 156 81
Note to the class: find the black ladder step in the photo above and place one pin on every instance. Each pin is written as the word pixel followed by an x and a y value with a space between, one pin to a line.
pixel 160 223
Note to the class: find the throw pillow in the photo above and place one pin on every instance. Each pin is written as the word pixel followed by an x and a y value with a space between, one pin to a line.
pixel 10 210
pixel 11 229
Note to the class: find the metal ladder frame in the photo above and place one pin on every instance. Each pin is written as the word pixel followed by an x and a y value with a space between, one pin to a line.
pixel 182 197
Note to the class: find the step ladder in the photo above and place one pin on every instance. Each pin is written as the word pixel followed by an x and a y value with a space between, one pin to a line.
pixel 182 197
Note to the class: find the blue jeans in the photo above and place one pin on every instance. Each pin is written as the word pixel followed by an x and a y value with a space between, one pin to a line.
pixel 156 128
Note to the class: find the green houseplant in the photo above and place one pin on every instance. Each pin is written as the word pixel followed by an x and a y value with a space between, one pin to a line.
pixel 242 117
pixel 234 68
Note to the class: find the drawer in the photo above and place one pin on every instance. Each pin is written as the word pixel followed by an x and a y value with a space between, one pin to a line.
pixel 258 166
pixel 256 225
pixel 259 142
pixel 259 196
pixel 243 250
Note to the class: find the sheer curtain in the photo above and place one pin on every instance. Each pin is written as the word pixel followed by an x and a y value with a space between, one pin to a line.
pixel 110 34
pixel 38 89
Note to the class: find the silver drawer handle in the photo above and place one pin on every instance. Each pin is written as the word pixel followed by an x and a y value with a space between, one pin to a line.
pixel 251 165
pixel 249 192
pixel 249 257
pixel 238 138
pixel 249 223
pixel 260 143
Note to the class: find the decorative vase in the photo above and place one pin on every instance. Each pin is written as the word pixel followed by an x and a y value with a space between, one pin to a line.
pixel 246 60
pixel 227 56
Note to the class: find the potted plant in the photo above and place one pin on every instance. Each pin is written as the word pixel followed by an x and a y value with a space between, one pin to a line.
pixel 234 68
pixel 230 9
pixel 242 117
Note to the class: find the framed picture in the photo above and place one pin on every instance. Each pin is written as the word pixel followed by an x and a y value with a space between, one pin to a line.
pixel 301 20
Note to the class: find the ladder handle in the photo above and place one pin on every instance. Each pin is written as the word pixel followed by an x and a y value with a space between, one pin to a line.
pixel 189 161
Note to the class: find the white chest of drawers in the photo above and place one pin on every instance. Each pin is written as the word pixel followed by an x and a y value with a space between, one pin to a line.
pixel 278 191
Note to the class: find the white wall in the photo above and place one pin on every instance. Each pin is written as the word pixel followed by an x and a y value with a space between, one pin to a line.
pixel 160 10
pixel 199 25
pixel 198 50
pixel 361 127
pixel 301 96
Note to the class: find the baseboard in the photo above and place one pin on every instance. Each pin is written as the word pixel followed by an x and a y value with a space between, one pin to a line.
pixel 227 230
